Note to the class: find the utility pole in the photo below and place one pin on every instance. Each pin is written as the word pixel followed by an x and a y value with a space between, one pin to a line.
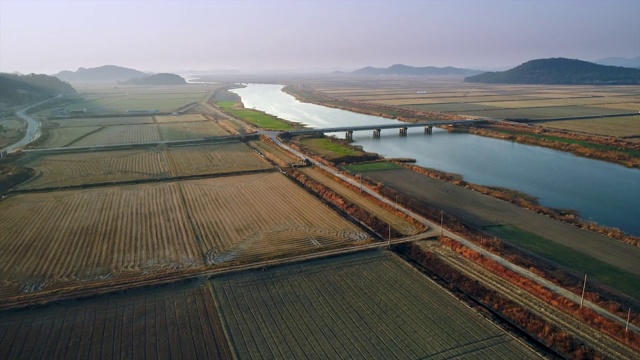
pixel 628 317
pixel 584 287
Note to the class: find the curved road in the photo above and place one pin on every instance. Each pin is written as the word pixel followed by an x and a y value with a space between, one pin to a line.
pixel 33 127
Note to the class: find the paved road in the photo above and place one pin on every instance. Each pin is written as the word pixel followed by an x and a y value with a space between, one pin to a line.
pixel 436 229
pixel 33 127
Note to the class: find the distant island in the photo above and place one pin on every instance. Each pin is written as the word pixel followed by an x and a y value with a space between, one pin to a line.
pixel 399 69
pixel 106 73
pixel 561 71
pixel 157 79
pixel 19 89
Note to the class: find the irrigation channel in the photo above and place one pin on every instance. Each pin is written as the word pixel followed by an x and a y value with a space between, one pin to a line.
pixel 606 193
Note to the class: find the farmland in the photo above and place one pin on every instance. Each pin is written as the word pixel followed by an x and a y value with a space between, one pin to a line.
pixel 11 131
pixel 103 121
pixel 213 159
pixel 73 169
pixel 97 234
pixel 177 321
pixel 59 170
pixel 121 134
pixel 612 126
pixel 84 235
pixel 190 130
pixel 449 96
pixel 262 216
pixel 370 305
pixel 101 101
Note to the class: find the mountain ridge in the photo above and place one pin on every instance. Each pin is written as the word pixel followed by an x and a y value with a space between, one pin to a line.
pixel 560 71
pixel 105 73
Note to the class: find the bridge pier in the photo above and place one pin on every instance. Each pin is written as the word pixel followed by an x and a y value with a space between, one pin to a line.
pixel 403 131
pixel 428 129
pixel 348 135
pixel 376 133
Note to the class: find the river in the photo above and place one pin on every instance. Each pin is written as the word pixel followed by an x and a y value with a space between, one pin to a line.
pixel 606 193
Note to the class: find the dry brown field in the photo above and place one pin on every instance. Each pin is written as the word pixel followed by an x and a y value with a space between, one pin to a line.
pixel 180 118
pixel 612 126
pixel 276 151
pixel 121 134
pixel 96 234
pixel 100 121
pixel 178 321
pixel 369 305
pixel 59 170
pixel 60 137
pixel 71 237
pixel 190 130
pixel 260 216
pixel 495 101
pixel 73 169
pixel 209 159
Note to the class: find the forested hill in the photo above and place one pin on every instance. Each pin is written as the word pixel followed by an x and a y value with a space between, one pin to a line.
pixel 157 79
pixel 22 89
pixel 106 73
pixel 560 71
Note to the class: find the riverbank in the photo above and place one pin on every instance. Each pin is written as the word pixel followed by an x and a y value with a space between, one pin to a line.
pixel 615 150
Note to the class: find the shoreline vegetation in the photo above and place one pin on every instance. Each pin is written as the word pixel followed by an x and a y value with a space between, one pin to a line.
pixel 605 148
pixel 528 202
pixel 339 153
pixel 611 149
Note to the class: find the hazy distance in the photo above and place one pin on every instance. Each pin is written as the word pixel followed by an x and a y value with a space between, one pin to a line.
pixel 50 36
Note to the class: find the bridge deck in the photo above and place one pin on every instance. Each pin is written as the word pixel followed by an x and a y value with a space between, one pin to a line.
pixel 396 125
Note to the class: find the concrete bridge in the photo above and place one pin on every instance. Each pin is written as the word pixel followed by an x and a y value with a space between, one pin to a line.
pixel 377 129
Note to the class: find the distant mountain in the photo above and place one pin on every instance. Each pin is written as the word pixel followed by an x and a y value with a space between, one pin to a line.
pixel 399 69
pixel 560 71
pixel 107 73
pixel 157 79
pixel 620 61
pixel 20 89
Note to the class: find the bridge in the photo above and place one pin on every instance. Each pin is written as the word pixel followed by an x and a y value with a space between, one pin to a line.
pixel 377 129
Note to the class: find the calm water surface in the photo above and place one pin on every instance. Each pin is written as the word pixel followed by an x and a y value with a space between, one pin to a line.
pixel 603 192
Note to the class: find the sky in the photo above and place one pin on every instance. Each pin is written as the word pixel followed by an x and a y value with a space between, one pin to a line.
pixel 48 36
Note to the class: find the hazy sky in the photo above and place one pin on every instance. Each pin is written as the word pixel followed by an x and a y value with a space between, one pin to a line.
pixel 49 36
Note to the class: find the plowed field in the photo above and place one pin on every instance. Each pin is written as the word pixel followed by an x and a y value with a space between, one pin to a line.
pixel 178 322
pixel 365 306
pixel 259 216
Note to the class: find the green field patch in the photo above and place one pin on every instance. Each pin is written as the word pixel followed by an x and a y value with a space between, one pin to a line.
pixel 330 149
pixel 568 257
pixel 372 166
pixel 255 117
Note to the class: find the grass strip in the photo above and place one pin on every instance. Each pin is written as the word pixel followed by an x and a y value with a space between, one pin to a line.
pixel 255 117
pixel 372 166
pixel 565 256
pixel 328 148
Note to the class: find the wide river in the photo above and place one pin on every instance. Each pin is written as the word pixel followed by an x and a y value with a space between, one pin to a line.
pixel 606 193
